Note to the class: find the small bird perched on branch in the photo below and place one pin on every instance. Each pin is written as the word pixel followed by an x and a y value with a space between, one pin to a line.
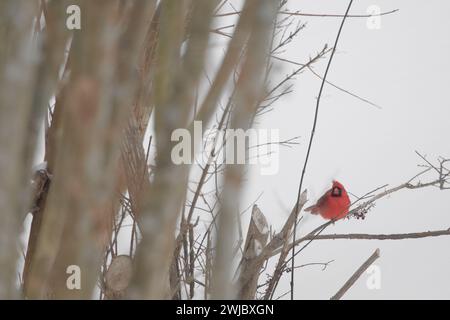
pixel 334 204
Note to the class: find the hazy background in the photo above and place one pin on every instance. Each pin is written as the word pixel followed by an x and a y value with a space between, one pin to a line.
pixel 404 68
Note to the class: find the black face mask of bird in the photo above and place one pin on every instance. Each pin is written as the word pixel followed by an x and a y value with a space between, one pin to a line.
pixel 336 192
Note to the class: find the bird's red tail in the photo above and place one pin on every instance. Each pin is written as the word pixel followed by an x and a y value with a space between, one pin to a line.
pixel 313 209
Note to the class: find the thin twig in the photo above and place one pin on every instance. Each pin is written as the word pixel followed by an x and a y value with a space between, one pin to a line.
pixel 310 143
pixel 320 15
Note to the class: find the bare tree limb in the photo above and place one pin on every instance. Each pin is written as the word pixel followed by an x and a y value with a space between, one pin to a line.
pixel 394 236
pixel 356 275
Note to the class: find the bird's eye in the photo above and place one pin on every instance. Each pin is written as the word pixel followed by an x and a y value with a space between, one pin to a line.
pixel 336 192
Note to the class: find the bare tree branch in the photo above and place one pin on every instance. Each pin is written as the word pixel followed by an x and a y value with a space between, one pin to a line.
pixel 356 275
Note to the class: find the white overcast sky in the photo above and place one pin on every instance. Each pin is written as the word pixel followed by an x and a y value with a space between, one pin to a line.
pixel 404 68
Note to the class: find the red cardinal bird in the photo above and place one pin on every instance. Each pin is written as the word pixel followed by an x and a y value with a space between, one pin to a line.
pixel 333 204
